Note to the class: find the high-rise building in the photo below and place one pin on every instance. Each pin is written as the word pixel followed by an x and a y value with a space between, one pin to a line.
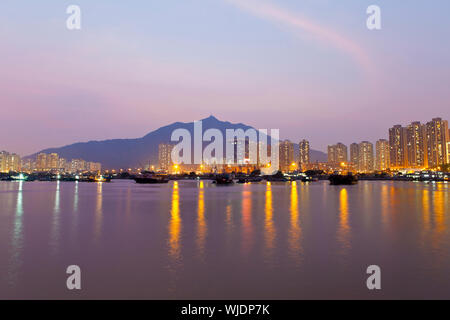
pixel 264 153
pixel 337 154
pixel 4 161
pixel 304 154
pixel 27 165
pixel 448 151
pixel 14 162
pixel 382 155
pixel 417 145
pixel 398 156
pixel 354 155
pixel 53 161
pixel 286 155
pixel 78 165
pixel 365 163
pixel 437 138
pixel 10 162
pixel 165 156
pixel 62 164
pixel 41 162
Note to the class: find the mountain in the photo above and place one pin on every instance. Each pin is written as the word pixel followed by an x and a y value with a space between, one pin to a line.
pixel 131 153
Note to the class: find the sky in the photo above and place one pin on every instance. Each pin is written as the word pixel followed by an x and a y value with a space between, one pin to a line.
pixel 310 68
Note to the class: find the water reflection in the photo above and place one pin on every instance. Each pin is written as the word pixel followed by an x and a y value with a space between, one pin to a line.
pixel 229 224
pixel 56 220
pixel 439 208
pixel 75 198
pixel 269 227
pixel 438 216
pixel 17 240
pixel 175 225
pixel 98 211
pixel 201 223
pixel 426 209
pixel 174 239
pixel 228 217
pixel 295 229
pixel 247 225
pixel 291 235
pixel 344 226
pixel 74 223
pixel 384 205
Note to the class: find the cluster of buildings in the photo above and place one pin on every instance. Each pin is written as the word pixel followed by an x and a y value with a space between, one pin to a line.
pixel 240 163
pixel 415 146
pixel 54 163
pixel 11 162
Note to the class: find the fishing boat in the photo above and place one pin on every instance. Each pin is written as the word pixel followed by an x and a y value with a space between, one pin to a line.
pixel 101 178
pixel 20 177
pixel 223 179
pixel 338 179
pixel 249 179
pixel 148 178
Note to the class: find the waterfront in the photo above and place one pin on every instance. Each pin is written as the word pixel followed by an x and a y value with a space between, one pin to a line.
pixel 192 239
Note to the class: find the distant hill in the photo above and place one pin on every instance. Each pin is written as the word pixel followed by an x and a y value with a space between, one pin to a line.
pixel 131 153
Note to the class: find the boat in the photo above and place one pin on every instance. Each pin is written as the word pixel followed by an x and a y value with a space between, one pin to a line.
pixel 20 177
pixel 148 178
pixel 223 179
pixel 101 178
pixel 249 179
pixel 338 179
pixel 277 177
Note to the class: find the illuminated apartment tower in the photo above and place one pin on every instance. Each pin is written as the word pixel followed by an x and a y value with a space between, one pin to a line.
pixel 354 156
pixel 165 156
pixel 41 162
pixel 448 150
pixel 382 155
pixel 14 162
pixel 62 164
pixel 337 154
pixel 286 156
pixel 365 163
pixel 53 161
pixel 27 165
pixel 398 157
pixel 4 161
pixel 78 165
pixel 264 152
pixel 417 145
pixel 304 154
pixel 437 138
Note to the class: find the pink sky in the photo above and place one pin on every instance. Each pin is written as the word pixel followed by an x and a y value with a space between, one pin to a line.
pixel 313 76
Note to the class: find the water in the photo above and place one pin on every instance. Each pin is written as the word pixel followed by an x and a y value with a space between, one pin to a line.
pixel 195 240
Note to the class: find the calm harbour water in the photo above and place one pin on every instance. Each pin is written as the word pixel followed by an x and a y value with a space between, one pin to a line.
pixel 195 240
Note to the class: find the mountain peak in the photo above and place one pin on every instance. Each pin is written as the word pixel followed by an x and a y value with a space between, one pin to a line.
pixel 211 118
pixel 129 153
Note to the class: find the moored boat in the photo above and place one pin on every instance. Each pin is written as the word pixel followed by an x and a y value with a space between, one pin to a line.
pixel 338 179
pixel 223 179
pixel 148 178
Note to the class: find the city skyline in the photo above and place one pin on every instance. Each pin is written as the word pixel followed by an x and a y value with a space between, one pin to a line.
pixel 112 80
pixel 348 142
pixel 414 146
